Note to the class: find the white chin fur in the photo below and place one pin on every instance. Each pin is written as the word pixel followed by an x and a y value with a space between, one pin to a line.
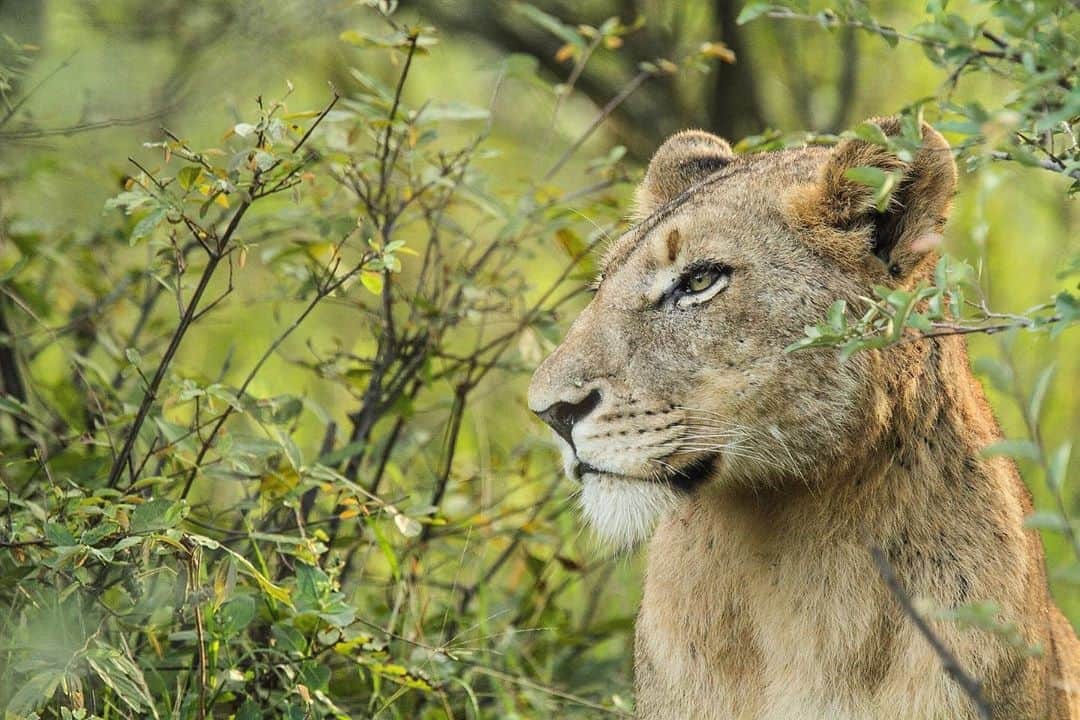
pixel 622 513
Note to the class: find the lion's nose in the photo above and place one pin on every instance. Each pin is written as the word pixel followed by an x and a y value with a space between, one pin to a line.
pixel 562 416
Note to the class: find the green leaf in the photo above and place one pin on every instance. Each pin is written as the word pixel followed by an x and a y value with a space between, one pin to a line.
pixel 147 225
pixel 250 710
pixel 372 280
pixel 235 614
pixel 188 176
pixel 59 534
pixel 999 373
pixel 1016 449
pixel 881 181
pixel 124 677
pixel 157 514
pixel 837 316
pixel 289 639
pixel 128 201
pixel 1045 520
pixel 268 587
pixel 1059 465
pixel 871 133
pixel 311 584
pixel 315 676
pixel 1067 307
pixel 452 110
pixel 552 24
pixel 34 691
pixel 866 175
pixel 96 533
pixel 386 548
pixel 223 393
pixel 1038 394
pixel 279 410
pixel 292 451
pixel 753 11
pixel 888 34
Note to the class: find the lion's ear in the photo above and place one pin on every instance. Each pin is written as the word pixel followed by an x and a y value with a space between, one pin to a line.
pixel 909 225
pixel 684 159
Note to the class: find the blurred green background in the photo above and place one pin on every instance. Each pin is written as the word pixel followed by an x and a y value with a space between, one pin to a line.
pixel 113 72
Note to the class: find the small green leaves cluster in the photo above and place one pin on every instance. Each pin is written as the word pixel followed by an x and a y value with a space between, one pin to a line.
pixel 894 315
pixel 257 160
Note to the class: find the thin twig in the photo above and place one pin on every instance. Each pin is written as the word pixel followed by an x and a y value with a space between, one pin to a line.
pixel 32 91
pixel 163 366
pixel 605 111
pixel 971 687
pixel 1050 165
pixel 384 171
pixel 200 638
pixel 320 294
pixel 190 314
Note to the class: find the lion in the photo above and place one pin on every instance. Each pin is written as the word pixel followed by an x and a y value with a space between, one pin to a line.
pixel 766 478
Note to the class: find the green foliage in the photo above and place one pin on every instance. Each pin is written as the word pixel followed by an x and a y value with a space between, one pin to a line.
pixel 1028 46
pixel 188 540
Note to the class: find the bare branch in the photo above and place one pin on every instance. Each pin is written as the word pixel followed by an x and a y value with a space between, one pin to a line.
pixel 968 684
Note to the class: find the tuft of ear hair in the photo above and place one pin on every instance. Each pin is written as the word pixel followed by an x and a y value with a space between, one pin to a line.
pixel 901 234
pixel 685 158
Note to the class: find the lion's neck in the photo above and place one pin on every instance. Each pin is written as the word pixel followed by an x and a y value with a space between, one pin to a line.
pixel 752 584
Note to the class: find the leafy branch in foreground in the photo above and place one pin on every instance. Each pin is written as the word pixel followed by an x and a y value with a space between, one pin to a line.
pixel 970 686
pixel 1030 47
pixel 896 315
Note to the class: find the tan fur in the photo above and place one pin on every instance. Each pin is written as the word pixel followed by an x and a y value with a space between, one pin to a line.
pixel 770 475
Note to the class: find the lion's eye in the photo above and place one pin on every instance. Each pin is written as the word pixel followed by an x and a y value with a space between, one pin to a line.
pixel 700 284
pixel 701 280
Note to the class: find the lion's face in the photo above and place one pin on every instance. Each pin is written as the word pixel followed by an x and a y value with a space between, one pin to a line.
pixel 675 374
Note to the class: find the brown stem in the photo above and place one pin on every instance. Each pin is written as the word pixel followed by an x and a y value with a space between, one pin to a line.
pixel 297 321
pixel 968 684
pixel 174 344
pixel 10 378
pixel 200 633
pixel 385 172
pixel 605 111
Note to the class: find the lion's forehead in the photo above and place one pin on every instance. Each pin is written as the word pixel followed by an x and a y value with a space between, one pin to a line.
pixel 732 201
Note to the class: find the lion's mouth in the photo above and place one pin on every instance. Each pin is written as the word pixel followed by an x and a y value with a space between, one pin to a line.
pixel 695 473
pixel 687 478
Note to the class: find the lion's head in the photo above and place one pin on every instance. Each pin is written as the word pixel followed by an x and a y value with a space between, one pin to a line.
pixel 675 375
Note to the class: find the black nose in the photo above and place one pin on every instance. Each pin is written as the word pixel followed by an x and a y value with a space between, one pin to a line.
pixel 562 416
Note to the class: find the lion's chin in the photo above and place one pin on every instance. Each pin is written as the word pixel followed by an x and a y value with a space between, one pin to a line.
pixel 623 512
